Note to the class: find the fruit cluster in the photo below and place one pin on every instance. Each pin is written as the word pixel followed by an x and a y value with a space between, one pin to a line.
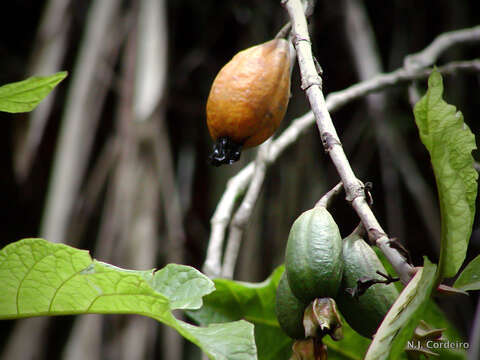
pixel 319 264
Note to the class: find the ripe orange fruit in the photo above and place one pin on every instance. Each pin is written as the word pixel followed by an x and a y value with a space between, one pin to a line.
pixel 248 99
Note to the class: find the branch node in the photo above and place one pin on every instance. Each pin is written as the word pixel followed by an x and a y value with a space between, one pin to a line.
pixel 354 192
pixel 297 39
pixel 310 81
pixel 329 141
pixel 374 235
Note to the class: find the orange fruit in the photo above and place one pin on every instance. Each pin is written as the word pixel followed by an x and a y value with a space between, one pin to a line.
pixel 248 99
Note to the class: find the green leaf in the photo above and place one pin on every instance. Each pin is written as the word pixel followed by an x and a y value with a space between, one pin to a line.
pixel 255 302
pixel 450 143
pixel 433 315
pixel 469 279
pixel 41 278
pixel 24 96
pixel 398 325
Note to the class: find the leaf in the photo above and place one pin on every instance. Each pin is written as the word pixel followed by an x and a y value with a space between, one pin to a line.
pixel 24 96
pixel 255 302
pixel 450 143
pixel 41 278
pixel 432 315
pixel 398 325
pixel 469 279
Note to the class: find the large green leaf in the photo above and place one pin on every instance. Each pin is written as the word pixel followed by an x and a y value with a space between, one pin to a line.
pixel 469 279
pixel 450 143
pixel 398 325
pixel 41 278
pixel 24 96
pixel 255 302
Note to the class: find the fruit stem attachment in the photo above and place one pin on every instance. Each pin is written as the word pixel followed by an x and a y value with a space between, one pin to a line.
pixel 284 31
pixel 327 199
pixel 225 151
pixel 322 318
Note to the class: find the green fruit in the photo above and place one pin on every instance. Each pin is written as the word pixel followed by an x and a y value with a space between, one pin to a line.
pixel 313 259
pixel 365 313
pixel 289 310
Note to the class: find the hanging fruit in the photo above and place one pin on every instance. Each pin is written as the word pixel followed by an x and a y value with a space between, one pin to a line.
pixel 289 310
pixel 313 258
pixel 248 99
pixel 365 312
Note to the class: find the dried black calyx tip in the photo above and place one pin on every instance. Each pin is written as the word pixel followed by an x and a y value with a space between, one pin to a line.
pixel 225 151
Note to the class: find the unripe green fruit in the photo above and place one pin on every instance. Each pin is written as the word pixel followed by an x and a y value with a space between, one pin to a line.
pixel 289 310
pixel 365 313
pixel 313 259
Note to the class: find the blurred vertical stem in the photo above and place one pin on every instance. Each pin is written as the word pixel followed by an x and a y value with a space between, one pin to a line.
pixel 78 127
pixel 47 56
pixel 149 111
pixel 141 246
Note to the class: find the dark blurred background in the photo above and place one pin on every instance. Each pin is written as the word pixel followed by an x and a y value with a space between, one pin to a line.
pixel 134 186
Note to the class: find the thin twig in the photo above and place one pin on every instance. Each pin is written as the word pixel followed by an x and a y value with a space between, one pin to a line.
pixel 240 220
pixel 439 45
pixel 393 78
pixel 238 184
pixel 327 199
pixel 221 218
pixel 354 189
pixel 432 52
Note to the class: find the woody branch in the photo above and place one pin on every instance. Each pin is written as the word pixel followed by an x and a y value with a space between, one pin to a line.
pixel 354 189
